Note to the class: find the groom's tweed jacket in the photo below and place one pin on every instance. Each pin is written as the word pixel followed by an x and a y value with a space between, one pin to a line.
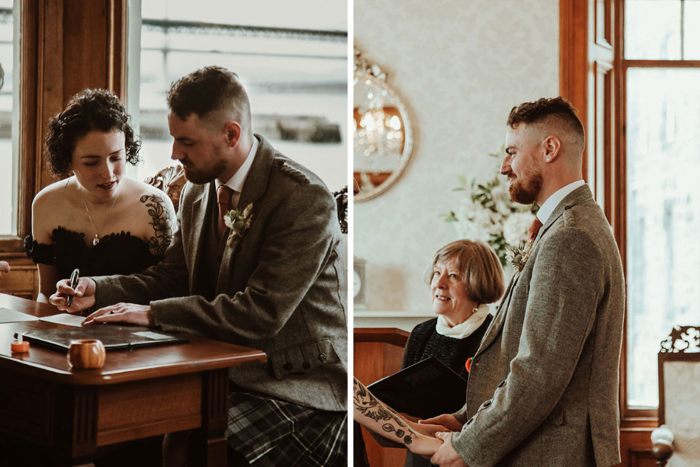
pixel 543 389
pixel 282 288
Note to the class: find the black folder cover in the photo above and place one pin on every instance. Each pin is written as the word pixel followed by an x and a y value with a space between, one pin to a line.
pixel 113 337
pixel 425 389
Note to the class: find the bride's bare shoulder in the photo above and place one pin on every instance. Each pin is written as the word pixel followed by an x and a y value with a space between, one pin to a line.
pixel 52 196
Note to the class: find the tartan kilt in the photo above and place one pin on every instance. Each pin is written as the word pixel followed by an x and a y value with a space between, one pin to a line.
pixel 273 432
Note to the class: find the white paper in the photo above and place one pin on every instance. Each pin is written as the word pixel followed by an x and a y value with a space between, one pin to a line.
pixel 12 316
pixel 65 318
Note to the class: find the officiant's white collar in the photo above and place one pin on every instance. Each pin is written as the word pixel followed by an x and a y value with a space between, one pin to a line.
pixel 237 180
pixel 464 329
pixel 553 201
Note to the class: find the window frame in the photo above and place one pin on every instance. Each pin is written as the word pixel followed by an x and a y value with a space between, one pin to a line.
pixel 633 416
pixel 28 50
pixel 56 61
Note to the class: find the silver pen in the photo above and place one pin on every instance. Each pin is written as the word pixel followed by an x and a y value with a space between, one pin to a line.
pixel 74 277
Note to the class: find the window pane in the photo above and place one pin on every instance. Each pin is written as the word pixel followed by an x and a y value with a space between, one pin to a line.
pixel 652 29
pixel 663 112
pixel 8 152
pixel 691 19
pixel 299 14
pixel 296 80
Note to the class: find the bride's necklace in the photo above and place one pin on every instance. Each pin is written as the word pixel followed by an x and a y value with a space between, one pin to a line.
pixel 96 240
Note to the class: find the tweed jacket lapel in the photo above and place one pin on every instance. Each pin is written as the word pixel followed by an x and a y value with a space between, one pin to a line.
pixel 253 189
pixel 201 210
pixel 497 322
pixel 577 196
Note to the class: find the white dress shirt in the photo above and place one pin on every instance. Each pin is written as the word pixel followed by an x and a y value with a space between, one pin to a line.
pixel 237 180
pixel 553 201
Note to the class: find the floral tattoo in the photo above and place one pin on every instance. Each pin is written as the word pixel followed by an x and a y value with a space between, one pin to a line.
pixel 162 224
pixel 372 408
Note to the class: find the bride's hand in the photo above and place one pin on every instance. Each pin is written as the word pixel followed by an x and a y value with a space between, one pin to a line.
pixel 83 295
pixel 423 445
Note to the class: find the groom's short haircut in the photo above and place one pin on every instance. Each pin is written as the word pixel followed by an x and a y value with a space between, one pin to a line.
pixel 208 92
pixel 556 114
pixel 482 273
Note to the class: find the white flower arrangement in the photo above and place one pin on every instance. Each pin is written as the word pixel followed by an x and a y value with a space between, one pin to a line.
pixel 239 222
pixel 486 213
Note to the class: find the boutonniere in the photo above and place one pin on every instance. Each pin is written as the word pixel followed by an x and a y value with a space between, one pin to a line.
pixel 519 256
pixel 239 222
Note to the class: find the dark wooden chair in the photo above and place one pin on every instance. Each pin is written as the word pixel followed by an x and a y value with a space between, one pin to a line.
pixel 676 442
pixel 170 180
pixel 341 199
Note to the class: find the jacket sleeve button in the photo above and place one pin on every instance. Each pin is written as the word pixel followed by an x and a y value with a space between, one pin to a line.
pixel 323 357
pixel 287 366
pixel 306 365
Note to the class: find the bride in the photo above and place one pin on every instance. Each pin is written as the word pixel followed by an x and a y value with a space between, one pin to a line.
pixel 95 219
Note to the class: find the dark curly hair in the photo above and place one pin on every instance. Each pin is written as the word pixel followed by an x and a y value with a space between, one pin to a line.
pixel 90 109
pixel 207 90
pixel 555 109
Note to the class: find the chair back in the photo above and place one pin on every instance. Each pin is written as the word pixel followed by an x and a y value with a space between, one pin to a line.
pixel 170 180
pixel 679 393
pixel 341 199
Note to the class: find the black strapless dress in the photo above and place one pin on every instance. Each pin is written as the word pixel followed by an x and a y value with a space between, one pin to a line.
pixel 117 253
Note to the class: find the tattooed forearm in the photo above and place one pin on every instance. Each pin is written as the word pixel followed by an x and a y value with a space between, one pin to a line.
pixel 162 224
pixel 373 414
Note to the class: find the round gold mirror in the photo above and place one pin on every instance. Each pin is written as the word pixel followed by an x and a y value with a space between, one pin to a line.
pixel 382 131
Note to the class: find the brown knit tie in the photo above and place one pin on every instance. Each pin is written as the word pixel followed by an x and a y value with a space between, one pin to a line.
pixel 223 200
pixel 534 229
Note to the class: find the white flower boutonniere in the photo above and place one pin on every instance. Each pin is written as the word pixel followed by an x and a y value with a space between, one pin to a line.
pixel 519 256
pixel 239 222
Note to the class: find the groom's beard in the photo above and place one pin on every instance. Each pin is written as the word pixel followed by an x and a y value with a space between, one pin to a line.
pixel 526 191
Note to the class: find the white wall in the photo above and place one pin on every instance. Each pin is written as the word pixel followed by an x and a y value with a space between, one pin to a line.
pixel 460 65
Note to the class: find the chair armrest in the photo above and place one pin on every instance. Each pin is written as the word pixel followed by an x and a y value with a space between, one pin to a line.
pixel 662 445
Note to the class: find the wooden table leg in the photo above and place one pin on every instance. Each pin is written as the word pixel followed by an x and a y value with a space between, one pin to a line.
pixel 75 426
pixel 209 446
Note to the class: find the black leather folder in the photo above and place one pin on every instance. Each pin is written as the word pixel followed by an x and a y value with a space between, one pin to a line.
pixel 425 389
pixel 113 337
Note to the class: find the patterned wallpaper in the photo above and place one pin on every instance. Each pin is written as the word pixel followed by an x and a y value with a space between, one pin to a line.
pixel 460 66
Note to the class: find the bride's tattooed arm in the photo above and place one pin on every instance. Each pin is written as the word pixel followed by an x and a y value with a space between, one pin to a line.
pixel 375 416
pixel 163 222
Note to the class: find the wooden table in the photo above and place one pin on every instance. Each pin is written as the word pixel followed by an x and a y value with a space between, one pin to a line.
pixel 136 394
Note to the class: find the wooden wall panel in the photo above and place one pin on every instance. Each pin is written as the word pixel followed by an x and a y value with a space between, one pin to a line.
pixel 635 446
pixel 50 78
pixel 22 281
pixel 373 360
pixel 85 46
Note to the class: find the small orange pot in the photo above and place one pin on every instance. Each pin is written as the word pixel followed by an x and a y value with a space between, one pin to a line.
pixel 84 354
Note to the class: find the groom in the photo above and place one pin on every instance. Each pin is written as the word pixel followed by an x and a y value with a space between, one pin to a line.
pixel 543 388
pixel 269 277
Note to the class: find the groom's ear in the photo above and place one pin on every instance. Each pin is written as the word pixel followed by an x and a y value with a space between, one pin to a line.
pixel 232 131
pixel 552 148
